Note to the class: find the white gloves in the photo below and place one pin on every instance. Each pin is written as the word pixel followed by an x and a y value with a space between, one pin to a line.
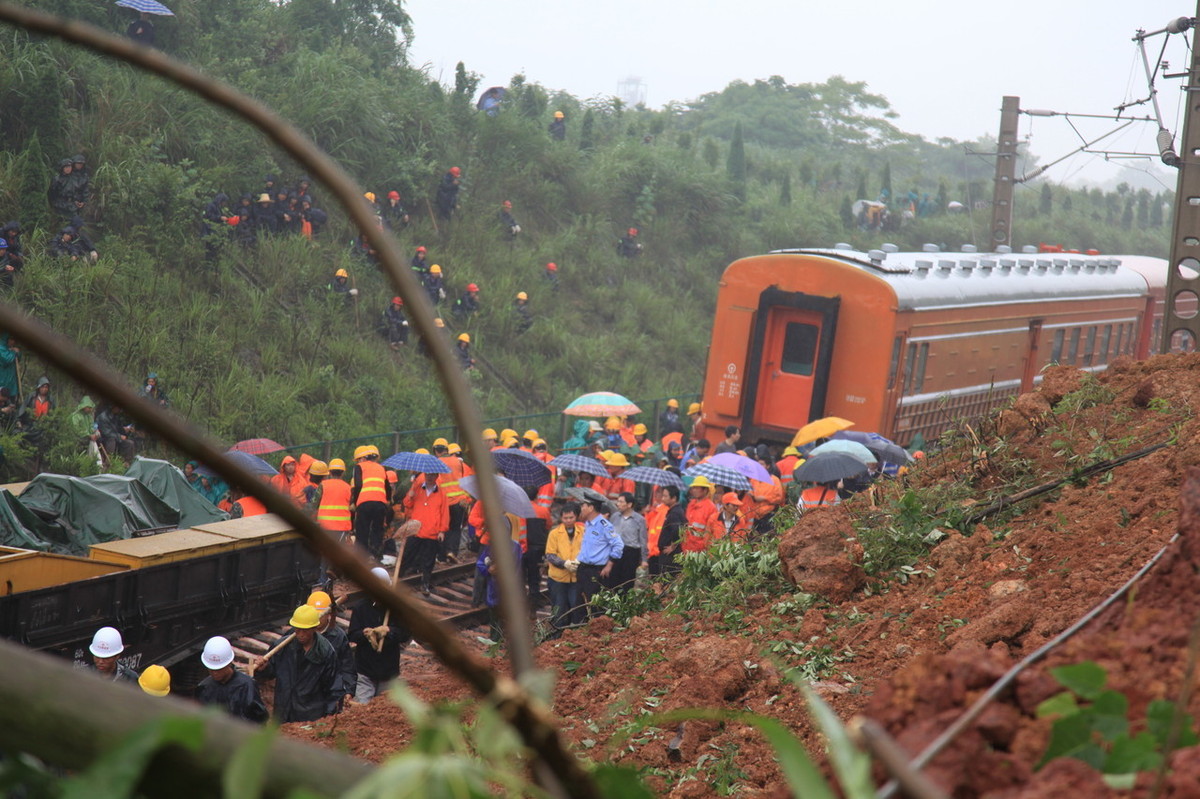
pixel 571 566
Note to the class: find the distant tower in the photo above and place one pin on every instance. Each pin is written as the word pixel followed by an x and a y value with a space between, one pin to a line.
pixel 632 91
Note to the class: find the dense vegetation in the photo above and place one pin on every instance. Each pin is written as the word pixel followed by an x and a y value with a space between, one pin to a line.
pixel 256 345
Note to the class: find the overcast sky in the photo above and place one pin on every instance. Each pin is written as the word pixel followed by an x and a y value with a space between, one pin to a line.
pixel 943 65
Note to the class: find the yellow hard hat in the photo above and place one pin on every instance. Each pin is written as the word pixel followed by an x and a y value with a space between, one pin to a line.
pixel 511 441
pixel 319 600
pixel 454 448
pixel 531 434
pixel 155 680
pixel 605 454
pixel 464 337
pixel 361 452
pixel 612 423
pixel 507 433
pixel 639 429
pixel 306 617
pixel 617 459
pixel 264 198
pixel 422 451
pixel 672 403
pixel 370 196
pixel 558 114
pixel 337 465
pixel 436 269
pixel 489 433
pixel 373 450
pixel 318 469
pixel 440 442
pixel 438 322
pixel 790 450
pixel 537 442
pixel 693 408
pixel 702 482
pixel 522 295
pixel 341 273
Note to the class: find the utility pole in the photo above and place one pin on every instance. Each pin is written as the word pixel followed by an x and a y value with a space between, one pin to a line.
pixel 1183 290
pixel 1006 171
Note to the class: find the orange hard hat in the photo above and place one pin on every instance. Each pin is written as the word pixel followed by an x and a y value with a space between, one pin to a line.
pixel 632 231
pixel 421 249
pixel 730 498
pixel 551 267
pixel 397 301
pixel 507 203
pixel 393 195
pixel 472 287
pixel 455 171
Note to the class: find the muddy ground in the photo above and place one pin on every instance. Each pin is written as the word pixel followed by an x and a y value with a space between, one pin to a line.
pixel 912 649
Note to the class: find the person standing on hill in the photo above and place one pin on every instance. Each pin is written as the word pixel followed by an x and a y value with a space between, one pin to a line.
pixel 468 304
pixel 394 325
pixel 447 193
pixel 435 285
pixel 462 348
pixel 419 263
pixel 141 30
pixel 60 194
pixel 558 128
pixel 551 275
pixel 394 214
pixel 629 246
pixel 10 354
pixel 669 421
pixel 369 496
pixel 81 184
pixel 508 223
pixel 15 255
pixel 524 315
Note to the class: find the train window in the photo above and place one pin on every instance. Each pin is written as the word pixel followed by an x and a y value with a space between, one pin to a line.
pixel 1073 347
pixel 1089 350
pixel 1120 338
pixel 1129 339
pixel 1105 340
pixel 1156 337
pixel 920 370
pixel 895 367
pixel 908 368
pixel 799 349
pixel 1056 350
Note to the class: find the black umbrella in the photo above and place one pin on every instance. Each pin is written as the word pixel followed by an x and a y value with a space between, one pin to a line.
pixel 591 495
pixel 829 467
pixel 523 468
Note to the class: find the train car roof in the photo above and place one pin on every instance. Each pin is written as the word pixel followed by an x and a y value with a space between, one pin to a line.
pixel 965 279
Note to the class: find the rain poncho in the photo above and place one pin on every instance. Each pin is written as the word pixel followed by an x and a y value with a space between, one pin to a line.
pixel 579 441
pixel 83 423
pixel 8 367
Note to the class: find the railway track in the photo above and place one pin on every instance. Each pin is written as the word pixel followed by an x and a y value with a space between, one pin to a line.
pixel 450 602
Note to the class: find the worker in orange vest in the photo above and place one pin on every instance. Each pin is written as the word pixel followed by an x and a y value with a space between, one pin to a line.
pixel 291 482
pixel 426 503
pixel 787 464
pixel 616 486
pixel 818 495
pixel 656 513
pixel 729 521
pixel 333 514
pixel 640 439
pixel 456 498
pixel 699 512
pixel 245 505
pixel 369 496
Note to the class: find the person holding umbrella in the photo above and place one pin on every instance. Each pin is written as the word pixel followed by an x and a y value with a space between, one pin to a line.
pixel 141 30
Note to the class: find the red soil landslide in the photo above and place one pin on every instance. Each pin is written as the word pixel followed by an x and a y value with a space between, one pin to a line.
pixel 916 655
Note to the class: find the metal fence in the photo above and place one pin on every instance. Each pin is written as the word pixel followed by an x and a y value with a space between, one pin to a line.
pixel 554 428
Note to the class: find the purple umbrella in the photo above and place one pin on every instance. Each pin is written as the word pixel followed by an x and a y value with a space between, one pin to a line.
pixel 746 466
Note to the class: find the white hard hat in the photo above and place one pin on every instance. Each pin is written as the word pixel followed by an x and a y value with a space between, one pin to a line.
pixel 381 574
pixel 217 653
pixel 107 643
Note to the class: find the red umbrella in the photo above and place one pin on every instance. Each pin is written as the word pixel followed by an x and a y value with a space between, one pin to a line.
pixel 257 446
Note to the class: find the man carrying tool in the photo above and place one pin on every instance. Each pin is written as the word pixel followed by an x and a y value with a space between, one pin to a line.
pixel 226 687
pixel 425 503
pixel 347 673
pixel 377 644
pixel 304 666
pixel 458 500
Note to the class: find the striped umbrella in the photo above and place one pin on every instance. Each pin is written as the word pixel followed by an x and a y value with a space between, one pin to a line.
pixel 601 403
pixel 579 463
pixel 720 475
pixel 147 7
pixel 654 477
pixel 523 468
pixel 416 462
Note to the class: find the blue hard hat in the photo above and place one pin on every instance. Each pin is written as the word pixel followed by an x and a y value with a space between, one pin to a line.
pixel 3 244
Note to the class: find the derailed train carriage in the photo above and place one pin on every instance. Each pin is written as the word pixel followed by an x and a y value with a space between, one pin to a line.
pixel 908 343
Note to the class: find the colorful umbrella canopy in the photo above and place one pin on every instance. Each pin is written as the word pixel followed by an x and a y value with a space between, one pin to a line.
pixel 257 446
pixel 887 450
pixel 416 462
pixel 147 7
pixel 720 475
pixel 252 463
pixel 828 468
pixel 579 463
pixel 743 465
pixel 851 448
pixel 601 403
pixel 512 497
pixel 654 477
pixel 523 468
pixel 821 428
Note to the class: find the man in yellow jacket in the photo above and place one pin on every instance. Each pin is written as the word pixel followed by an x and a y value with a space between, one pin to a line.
pixel 562 558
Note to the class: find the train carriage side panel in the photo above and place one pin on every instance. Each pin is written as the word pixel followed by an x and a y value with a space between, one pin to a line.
pixel 798 336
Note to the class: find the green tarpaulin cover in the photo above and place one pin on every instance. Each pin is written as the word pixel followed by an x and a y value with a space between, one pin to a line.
pixel 169 485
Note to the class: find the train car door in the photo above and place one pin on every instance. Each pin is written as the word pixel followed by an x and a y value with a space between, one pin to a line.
pixel 793 367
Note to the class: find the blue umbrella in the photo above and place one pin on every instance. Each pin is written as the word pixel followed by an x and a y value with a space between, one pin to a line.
pixel 654 477
pixel 416 462
pixel 579 463
pixel 885 449
pixel 251 463
pixel 513 498
pixel 851 448
pixel 147 7
pixel 523 468
pixel 721 475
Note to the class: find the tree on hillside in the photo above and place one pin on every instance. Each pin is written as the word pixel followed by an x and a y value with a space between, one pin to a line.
pixel 735 165
pixel 1046 204
pixel 587 131
pixel 785 191
pixel 885 183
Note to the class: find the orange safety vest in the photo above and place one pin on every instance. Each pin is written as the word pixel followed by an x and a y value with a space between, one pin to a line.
pixel 334 511
pixel 654 525
pixel 818 496
pixel 251 506
pixel 374 482
pixel 448 483
pixel 786 466
pixel 545 496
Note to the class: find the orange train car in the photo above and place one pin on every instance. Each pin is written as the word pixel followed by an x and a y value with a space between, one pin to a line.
pixel 907 343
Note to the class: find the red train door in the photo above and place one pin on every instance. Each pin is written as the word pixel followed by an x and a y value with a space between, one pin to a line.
pixel 794 368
